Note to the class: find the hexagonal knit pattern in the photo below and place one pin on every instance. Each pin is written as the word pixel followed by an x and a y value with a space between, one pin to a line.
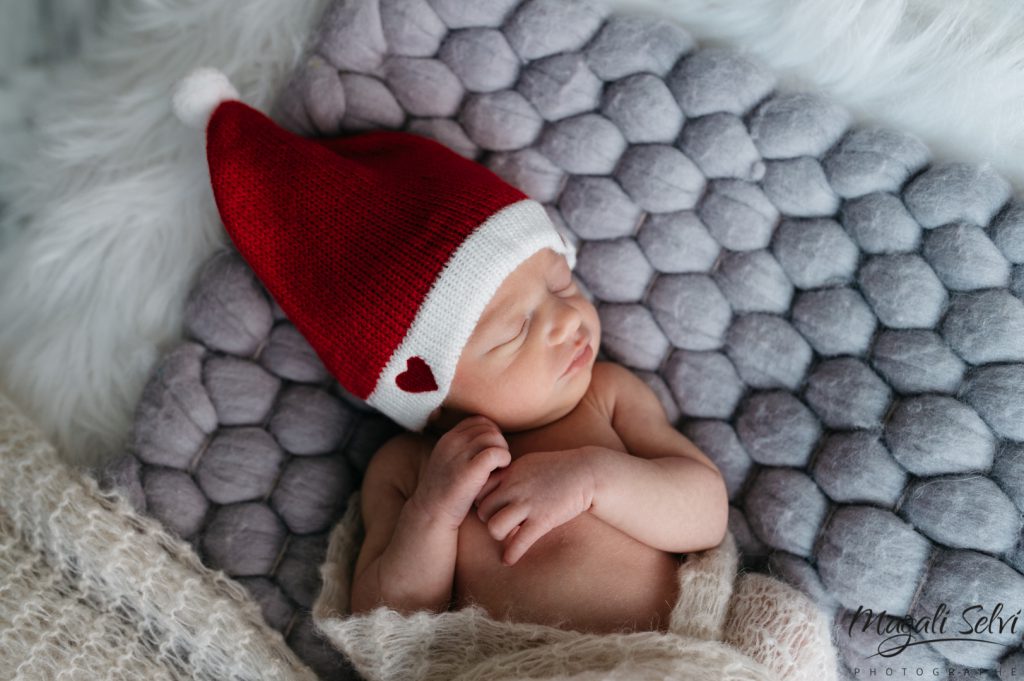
pixel 244 446
pixel 835 320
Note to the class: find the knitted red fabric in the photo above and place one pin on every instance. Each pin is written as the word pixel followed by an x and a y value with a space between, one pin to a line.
pixel 348 234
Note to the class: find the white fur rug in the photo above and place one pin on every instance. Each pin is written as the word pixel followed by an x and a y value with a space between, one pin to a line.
pixel 107 212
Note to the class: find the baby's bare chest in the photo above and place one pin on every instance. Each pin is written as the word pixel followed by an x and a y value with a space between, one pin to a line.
pixel 584 573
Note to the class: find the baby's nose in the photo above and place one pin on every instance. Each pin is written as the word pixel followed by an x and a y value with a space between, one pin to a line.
pixel 566 323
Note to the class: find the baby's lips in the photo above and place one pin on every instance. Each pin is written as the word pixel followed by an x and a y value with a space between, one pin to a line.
pixel 580 345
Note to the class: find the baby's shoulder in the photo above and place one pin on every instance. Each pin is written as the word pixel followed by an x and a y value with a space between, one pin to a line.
pixel 613 384
pixel 608 377
pixel 398 460
pixel 606 380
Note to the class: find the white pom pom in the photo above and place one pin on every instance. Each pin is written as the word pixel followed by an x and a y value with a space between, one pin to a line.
pixel 199 93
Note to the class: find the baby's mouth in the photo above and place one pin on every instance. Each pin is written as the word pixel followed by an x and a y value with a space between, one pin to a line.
pixel 579 349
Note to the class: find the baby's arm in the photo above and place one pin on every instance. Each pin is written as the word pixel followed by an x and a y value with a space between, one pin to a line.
pixel 407 561
pixel 666 492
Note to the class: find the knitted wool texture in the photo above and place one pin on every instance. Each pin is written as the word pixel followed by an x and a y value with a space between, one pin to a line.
pixel 834 321
pixel 724 626
pixel 90 590
pixel 340 228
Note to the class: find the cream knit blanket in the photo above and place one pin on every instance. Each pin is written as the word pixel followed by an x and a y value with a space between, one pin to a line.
pixel 725 625
pixel 91 590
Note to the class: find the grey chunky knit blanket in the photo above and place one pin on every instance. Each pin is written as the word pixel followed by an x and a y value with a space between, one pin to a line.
pixel 836 320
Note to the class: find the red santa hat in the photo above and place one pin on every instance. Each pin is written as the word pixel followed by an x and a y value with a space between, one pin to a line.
pixel 383 248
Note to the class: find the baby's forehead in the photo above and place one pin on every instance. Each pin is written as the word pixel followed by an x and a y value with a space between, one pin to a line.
pixel 543 266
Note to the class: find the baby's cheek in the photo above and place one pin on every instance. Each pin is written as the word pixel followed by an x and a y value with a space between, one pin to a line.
pixel 595 324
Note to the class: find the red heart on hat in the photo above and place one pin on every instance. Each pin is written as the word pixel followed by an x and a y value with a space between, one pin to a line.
pixel 417 377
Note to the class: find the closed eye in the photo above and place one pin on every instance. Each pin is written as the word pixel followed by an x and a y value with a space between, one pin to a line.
pixel 526 322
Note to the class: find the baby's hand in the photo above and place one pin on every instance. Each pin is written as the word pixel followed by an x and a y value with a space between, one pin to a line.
pixel 536 493
pixel 458 467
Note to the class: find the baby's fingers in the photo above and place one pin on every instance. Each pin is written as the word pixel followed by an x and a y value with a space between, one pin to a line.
pixel 492 483
pixel 506 520
pixel 486 460
pixel 520 542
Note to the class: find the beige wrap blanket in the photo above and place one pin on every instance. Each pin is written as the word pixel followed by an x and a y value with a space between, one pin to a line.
pixel 725 625
pixel 92 591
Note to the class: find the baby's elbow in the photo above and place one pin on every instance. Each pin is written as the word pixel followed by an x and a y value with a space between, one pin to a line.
pixel 361 601
pixel 365 600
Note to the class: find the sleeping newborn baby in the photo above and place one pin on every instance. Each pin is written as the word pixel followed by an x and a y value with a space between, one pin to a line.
pixel 535 482
pixel 534 485
pixel 549 487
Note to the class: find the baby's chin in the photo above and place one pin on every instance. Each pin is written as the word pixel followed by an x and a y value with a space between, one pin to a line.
pixel 539 421
pixel 556 409
pixel 547 416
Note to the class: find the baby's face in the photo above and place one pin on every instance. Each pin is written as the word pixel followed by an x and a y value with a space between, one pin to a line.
pixel 518 367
